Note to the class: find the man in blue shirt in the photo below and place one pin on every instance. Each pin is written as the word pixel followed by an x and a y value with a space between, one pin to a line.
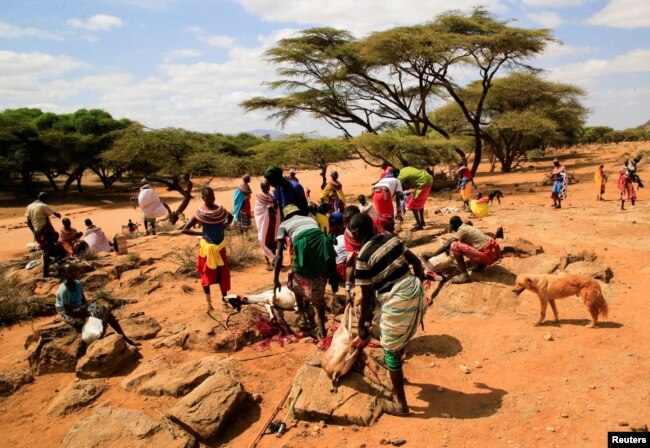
pixel 287 191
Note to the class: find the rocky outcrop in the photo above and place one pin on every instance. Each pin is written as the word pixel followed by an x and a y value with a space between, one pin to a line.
pixel 77 395
pixel 356 401
pixel 204 411
pixel 11 382
pixel 595 270
pixel 176 381
pixel 520 247
pixel 106 357
pixel 537 264
pixel 138 326
pixel 119 428
pixel 57 349
pixel 477 297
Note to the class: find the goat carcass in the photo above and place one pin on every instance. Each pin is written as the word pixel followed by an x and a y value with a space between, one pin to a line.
pixel 284 300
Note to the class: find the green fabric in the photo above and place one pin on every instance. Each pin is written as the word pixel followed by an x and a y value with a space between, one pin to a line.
pixel 393 360
pixel 313 253
pixel 414 178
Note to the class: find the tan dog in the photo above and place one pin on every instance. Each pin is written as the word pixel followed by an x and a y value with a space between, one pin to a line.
pixel 551 287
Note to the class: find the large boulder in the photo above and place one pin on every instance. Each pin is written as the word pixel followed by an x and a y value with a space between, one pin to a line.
pixel 204 411
pixel 107 357
pixel 520 248
pixel 118 428
pixel 11 382
pixel 57 349
pixel 595 270
pixel 356 401
pixel 77 395
pixel 483 297
pixel 138 326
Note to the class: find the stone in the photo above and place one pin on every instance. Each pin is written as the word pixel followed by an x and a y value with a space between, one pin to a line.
pixel 639 428
pixel 204 411
pixel 623 423
pixel 58 347
pixel 11 382
pixel 548 336
pixel 520 248
pixel 484 298
pixel 537 264
pixel 550 428
pixel 106 357
pixel 176 381
pixel 77 395
pixel 595 270
pixel 138 377
pixel 565 415
pixel 478 365
pixel 463 368
pixel 207 334
pixel 356 401
pixel 397 441
pixel 140 327
pixel 118 428
pixel 574 255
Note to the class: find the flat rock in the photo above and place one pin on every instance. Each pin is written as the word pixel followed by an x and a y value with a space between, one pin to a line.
pixel 357 400
pixel 204 411
pixel 476 298
pixel 76 395
pixel 10 382
pixel 140 327
pixel 207 334
pixel 520 248
pixel 138 377
pixel 176 381
pixel 536 264
pixel 57 349
pixel 119 428
pixel 106 357
pixel 593 269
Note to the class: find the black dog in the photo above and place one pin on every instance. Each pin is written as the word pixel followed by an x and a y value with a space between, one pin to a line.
pixel 496 194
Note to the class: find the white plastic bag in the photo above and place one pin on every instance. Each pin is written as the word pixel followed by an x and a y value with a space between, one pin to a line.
pixel 439 263
pixel 341 355
pixel 92 330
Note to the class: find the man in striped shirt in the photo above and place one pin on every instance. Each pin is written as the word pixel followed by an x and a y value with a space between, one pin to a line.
pixel 383 270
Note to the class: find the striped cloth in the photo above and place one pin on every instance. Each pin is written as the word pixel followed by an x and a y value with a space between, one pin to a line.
pixel 267 221
pixel 472 236
pixel 381 263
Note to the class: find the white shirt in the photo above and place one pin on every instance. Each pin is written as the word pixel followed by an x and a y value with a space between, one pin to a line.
pixel 393 185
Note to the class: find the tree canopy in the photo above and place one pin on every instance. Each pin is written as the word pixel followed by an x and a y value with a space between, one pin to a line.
pixel 395 77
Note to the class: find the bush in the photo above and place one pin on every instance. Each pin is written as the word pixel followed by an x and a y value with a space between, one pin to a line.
pixel 243 250
pixel 14 304
pixel 185 258
pixel 534 155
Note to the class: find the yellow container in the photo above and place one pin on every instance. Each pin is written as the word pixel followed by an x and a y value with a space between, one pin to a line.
pixel 119 244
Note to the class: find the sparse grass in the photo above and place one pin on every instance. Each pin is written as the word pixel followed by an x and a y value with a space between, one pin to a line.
pixel 14 304
pixel 88 255
pixel 243 250
pixel 133 235
pixel 185 258
pixel 164 226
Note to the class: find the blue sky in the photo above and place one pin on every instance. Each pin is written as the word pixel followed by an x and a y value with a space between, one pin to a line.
pixel 190 63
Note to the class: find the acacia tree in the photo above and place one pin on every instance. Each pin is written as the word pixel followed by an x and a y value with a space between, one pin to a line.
pixel 393 77
pixel 522 112
pixel 319 153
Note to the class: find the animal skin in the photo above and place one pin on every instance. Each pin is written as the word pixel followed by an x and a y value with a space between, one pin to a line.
pixel 284 300
pixel 551 287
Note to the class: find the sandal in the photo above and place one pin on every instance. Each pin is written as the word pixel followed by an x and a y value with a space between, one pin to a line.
pixel 396 409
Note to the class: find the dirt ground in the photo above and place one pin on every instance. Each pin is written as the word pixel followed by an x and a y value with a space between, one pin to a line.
pixel 528 392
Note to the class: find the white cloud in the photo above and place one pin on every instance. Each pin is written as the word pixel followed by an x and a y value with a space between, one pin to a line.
pixel 181 53
pixel 218 41
pixel 359 17
pixel 98 22
pixel 623 14
pixel 581 73
pixel 558 50
pixel 553 3
pixel 547 19
pixel 9 31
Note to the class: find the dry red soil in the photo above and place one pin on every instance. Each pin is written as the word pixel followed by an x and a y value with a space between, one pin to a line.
pixel 529 392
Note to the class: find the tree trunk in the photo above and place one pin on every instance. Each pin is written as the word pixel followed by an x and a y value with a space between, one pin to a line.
pixel 478 149
pixel 323 174
pixel 50 178
pixel 74 176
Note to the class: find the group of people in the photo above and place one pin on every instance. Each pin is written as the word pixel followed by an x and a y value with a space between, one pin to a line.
pixel 67 241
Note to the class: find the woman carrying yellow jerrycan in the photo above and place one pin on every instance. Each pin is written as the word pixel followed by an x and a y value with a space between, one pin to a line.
pixel 479 206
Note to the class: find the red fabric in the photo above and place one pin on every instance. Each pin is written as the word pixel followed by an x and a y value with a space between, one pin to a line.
pixel 385 210
pixel 352 245
pixel 417 203
pixel 490 254
pixel 340 270
pixel 220 276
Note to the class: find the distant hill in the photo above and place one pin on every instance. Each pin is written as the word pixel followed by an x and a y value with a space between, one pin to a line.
pixel 272 133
